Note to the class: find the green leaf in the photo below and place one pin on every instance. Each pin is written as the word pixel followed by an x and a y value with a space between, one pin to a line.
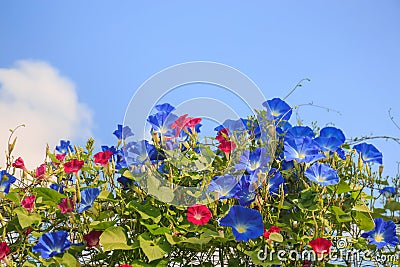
pixel 197 241
pixel 96 225
pixel 155 229
pixel 364 221
pixel 27 219
pixel 154 249
pixel 341 216
pixel 145 211
pixel 392 206
pixel 361 207
pixel 277 237
pixel 68 260
pixel 114 237
pixel 343 187
pixel 162 193
pixel 47 195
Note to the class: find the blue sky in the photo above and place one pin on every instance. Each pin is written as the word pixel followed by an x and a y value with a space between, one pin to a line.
pixel 349 50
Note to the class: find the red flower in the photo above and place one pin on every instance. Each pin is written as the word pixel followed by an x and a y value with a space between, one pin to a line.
pixel 19 163
pixel 306 263
pixel 222 135
pixel 4 250
pixel 27 231
pixel 192 122
pixel 198 214
pixel 28 203
pixel 227 146
pixel 125 265
pixel 73 165
pixel 60 157
pixel 66 206
pixel 40 172
pixel 92 239
pixel 179 123
pixel 321 246
pixel 274 229
pixel 102 157
pixel 266 234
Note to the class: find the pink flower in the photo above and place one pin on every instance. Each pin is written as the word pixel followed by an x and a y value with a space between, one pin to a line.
pixel 179 123
pixel 198 214
pixel 66 205
pixel 28 203
pixel 222 135
pixel 40 172
pixel 19 163
pixel 102 157
pixel 321 246
pixel 60 157
pixel 227 146
pixel 192 122
pixel 4 250
pixel 92 239
pixel 125 265
pixel 274 229
pixel 73 165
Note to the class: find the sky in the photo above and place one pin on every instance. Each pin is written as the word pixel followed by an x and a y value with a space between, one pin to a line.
pixel 68 69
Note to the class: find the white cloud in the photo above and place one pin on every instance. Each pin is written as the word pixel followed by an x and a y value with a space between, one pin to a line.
pixel 35 94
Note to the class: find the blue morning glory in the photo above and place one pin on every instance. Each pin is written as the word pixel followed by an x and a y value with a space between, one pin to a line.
pixel 280 110
pixel 274 183
pixel 302 149
pixel 329 132
pixel 245 191
pixel 322 174
pixel 64 147
pixel 126 182
pixel 6 180
pixel 252 161
pixel 58 188
pixel 388 190
pixel 299 131
pixel 109 148
pixel 369 153
pixel 224 186
pixel 52 243
pixel 123 132
pixel 167 108
pixel 383 234
pixel 88 196
pixel 162 121
pixel 141 151
pixel 246 223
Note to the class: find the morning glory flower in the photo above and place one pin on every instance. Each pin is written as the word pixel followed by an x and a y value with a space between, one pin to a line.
pixel 369 153
pixel 330 139
pixel 383 234
pixel 88 196
pixel 274 183
pixel 388 190
pixel 6 180
pixel 162 122
pixel 302 149
pixel 245 191
pixel 123 132
pixel 246 223
pixel 329 132
pixel 224 186
pixel 166 108
pixel 64 147
pixel 299 131
pixel 279 109
pixel 52 243
pixel 253 161
pixel 140 152
pixel 322 174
